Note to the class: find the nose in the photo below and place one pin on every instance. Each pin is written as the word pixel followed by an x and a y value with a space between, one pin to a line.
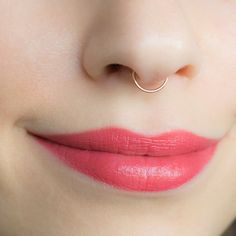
pixel 152 38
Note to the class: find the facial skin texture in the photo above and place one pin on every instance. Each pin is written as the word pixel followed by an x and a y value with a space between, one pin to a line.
pixel 55 78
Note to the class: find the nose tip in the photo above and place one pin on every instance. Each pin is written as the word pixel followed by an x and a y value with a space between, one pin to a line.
pixel 154 51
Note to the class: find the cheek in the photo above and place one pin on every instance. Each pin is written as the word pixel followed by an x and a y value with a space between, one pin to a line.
pixel 217 40
pixel 224 45
pixel 34 58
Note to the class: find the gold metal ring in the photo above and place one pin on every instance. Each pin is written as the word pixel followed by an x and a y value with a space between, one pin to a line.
pixel 148 90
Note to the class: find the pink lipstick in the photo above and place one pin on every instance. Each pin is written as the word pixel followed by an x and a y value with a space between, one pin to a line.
pixel 132 161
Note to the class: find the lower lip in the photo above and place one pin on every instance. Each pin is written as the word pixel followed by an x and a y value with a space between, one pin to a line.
pixel 133 173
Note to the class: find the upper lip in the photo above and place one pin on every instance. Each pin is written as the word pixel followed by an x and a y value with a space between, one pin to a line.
pixel 126 142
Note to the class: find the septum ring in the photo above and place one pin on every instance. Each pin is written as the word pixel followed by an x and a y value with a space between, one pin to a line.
pixel 148 90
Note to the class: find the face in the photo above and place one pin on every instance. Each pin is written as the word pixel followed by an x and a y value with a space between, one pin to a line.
pixel 65 68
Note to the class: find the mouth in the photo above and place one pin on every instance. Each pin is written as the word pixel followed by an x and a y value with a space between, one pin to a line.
pixel 130 161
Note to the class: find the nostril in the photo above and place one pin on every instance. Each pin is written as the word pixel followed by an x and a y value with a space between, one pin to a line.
pixel 187 71
pixel 113 68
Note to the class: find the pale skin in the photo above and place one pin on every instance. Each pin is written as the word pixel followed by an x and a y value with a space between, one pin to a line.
pixel 53 78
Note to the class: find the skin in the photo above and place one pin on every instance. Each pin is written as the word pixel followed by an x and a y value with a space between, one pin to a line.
pixel 56 77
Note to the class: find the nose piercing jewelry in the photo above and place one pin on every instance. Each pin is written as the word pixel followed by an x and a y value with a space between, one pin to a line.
pixel 148 90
